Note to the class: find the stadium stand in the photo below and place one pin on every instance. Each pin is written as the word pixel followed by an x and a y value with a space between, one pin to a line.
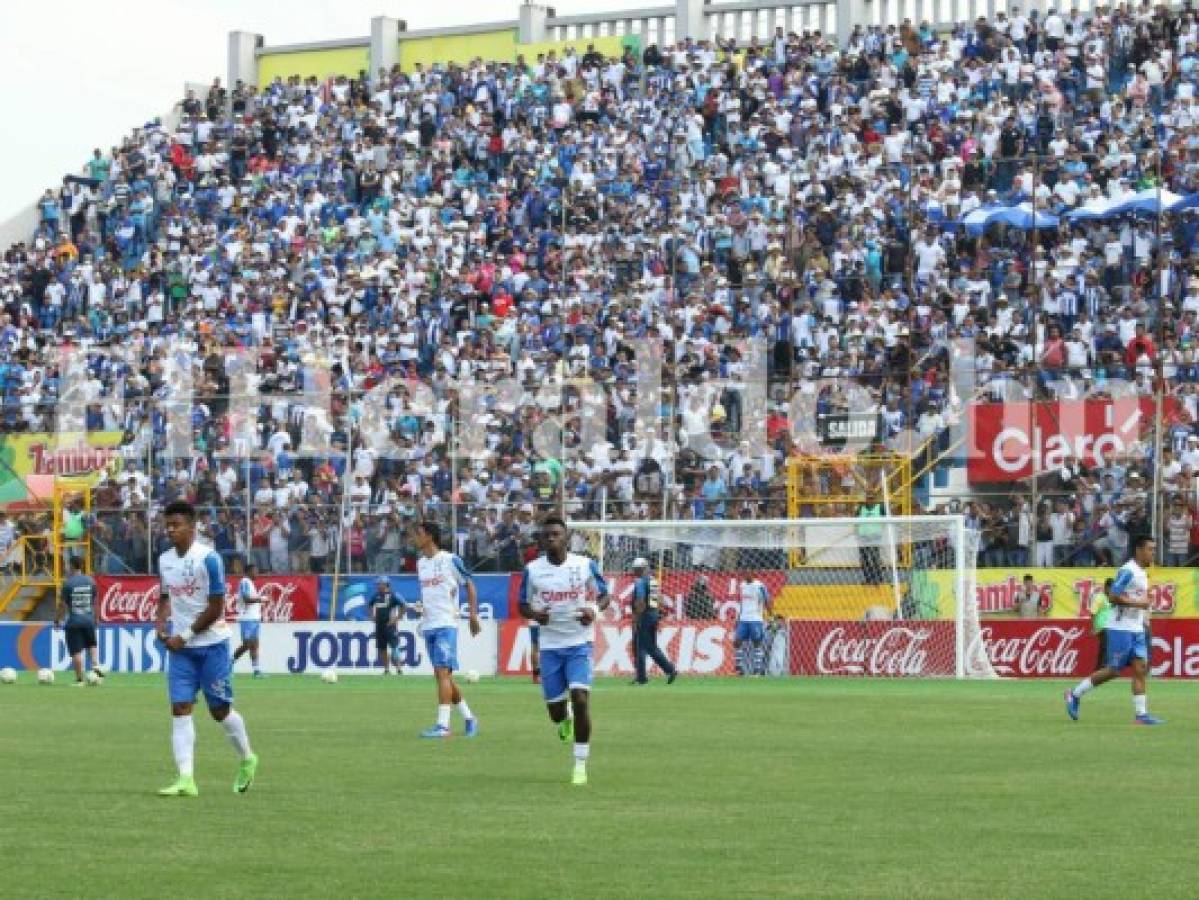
pixel 1013 192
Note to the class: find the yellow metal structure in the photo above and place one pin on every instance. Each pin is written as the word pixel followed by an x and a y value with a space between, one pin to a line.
pixel 37 562
pixel 835 485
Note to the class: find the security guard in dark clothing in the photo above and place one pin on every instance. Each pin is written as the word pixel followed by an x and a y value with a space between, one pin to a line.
pixel 77 603
pixel 386 609
pixel 647 606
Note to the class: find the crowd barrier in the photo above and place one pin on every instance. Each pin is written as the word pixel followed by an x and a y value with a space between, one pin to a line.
pixel 1017 648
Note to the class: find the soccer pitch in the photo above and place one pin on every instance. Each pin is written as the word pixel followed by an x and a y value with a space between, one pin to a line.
pixel 807 788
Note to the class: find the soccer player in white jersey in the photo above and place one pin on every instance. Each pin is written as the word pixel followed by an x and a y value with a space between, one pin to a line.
pixel 1126 641
pixel 751 627
pixel 192 603
pixel 249 617
pixel 442 576
pixel 564 592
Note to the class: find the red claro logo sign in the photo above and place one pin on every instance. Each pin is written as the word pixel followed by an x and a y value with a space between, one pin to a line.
pixel 1047 651
pixel 136 600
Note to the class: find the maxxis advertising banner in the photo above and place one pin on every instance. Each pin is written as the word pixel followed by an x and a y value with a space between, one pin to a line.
pixel 134 598
pixel 696 647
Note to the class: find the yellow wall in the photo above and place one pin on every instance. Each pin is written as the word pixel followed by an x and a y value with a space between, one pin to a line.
pixel 321 63
pixel 498 46
pixel 491 46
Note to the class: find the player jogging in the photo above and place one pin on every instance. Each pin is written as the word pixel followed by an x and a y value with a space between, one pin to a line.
pixel 192 598
pixel 249 618
pixel 751 627
pixel 78 602
pixel 1126 644
pixel 555 592
pixel 442 576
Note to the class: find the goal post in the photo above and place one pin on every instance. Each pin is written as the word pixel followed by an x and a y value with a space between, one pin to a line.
pixel 882 595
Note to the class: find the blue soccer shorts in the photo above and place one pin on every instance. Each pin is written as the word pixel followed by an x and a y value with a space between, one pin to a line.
pixel 1125 646
pixel 195 669
pixel 565 669
pixel 442 647
pixel 750 631
pixel 249 630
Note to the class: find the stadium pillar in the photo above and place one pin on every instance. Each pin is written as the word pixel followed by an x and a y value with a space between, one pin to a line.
pixel 689 20
pixel 243 58
pixel 385 45
pixel 533 19
pixel 850 13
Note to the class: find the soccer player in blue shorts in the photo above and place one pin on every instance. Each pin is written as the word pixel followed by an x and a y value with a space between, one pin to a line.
pixel 442 577
pixel 750 635
pixel 556 591
pixel 249 617
pixel 192 601
pixel 1126 641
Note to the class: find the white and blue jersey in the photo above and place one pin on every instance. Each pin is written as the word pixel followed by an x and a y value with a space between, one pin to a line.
pixel 442 577
pixel 249 609
pixel 563 591
pixel 750 622
pixel 188 581
pixel 1126 626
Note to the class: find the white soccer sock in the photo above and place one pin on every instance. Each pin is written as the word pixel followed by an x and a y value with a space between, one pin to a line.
pixel 582 751
pixel 463 709
pixel 183 742
pixel 443 715
pixel 235 728
pixel 1083 686
pixel 1140 703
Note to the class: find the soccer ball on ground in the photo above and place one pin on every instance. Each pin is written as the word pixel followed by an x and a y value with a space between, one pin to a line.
pixel 45 676
pixel 8 675
pixel 94 680
pixel 471 676
pixel 329 677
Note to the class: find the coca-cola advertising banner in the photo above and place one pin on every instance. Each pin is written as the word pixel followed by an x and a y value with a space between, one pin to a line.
pixel 895 649
pixel 1009 441
pixel 1017 648
pixel 134 598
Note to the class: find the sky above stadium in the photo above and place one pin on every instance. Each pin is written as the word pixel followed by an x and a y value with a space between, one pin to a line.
pixel 79 75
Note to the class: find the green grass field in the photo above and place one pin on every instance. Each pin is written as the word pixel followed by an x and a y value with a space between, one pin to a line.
pixel 704 789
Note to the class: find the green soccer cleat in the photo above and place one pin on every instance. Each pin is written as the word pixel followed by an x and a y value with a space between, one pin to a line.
pixel 245 774
pixel 579 778
pixel 184 786
pixel 566 730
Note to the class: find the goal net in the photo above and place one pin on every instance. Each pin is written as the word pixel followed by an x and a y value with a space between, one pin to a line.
pixel 874 596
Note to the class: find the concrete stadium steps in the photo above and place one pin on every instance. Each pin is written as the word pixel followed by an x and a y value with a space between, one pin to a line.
pixel 18 601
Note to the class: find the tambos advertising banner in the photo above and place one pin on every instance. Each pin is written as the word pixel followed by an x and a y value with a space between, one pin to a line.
pixel 134 598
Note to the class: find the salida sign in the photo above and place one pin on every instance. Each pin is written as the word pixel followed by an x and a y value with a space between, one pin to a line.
pixel 1011 441
pixel 134 598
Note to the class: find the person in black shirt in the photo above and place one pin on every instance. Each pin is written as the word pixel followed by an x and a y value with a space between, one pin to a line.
pixel 386 608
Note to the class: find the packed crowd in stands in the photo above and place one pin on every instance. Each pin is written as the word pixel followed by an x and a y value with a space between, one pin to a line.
pixel 537 220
